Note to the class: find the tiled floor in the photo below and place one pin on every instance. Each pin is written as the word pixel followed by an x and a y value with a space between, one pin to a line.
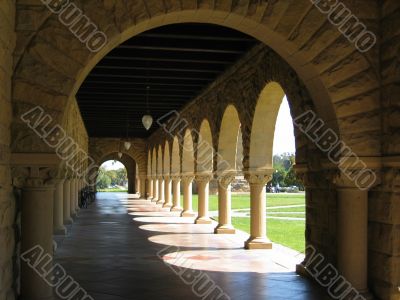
pixel 122 248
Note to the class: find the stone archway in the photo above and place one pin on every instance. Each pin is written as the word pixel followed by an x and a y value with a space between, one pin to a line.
pixel 46 68
pixel 228 141
pixel 130 166
pixel 263 127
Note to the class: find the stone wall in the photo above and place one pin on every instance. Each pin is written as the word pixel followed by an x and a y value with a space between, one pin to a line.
pixel 241 86
pixel 8 232
pixel 384 203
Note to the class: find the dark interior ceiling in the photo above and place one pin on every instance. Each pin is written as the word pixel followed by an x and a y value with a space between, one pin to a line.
pixel 176 61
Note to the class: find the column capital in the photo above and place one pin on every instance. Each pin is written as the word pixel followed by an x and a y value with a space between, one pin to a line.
pixel 175 177
pixel 34 176
pixel 203 177
pixel 225 180
pixel 361 179
pixel 187 178
pixel 259 177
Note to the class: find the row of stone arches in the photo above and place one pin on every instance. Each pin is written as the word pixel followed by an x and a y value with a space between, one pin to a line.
pixel 207 150
pixel 192 156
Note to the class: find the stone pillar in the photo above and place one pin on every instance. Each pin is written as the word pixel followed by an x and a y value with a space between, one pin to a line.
pixel 149 188
pixel 258 221
pixel 37 231
pixel 352 233
pixel 142 187
pixel 176 193
pixel 224 205
pixel 58 215
pixel 160 190
pixel 155 190
pixel 167 192
pixel 187 196
pixel 203 194
pixel 77 194
pixel 137 185
pixel 72 199
pixel 66 202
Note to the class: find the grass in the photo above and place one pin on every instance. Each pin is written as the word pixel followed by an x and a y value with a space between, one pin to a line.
pixel 289 233
pixel 297 215
pixel 284 232
pixel 243 201
pixel 115 190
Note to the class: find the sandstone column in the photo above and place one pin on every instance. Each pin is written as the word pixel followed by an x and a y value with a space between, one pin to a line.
pixel 176 193
pixel 352 231
pixel 37 231
pixel 72 198
pixel 66 202
pixel 203 181
pixel 160 190
pixel 224 205
pixel 58 215
pixel 77 186
pixel 142 187
pixel 137 185
pixel 167 193
pixel 258 221
pixel 155 189
pixel 187 196
pixel 149 188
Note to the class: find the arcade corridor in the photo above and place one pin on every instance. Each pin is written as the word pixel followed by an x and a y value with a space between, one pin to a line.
pixel 111 251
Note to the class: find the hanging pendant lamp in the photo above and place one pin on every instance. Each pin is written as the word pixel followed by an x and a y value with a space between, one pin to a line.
pixel 147 119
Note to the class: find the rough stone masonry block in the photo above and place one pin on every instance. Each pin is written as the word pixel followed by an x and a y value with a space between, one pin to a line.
pixel 384 207
pixel 384 238
pixel 7 245
pixel 6 276
pixel 7 212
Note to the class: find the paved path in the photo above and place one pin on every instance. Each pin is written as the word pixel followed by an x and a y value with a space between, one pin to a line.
pixel 112 253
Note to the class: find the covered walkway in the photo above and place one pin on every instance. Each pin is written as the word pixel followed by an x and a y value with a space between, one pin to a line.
pixel 112 252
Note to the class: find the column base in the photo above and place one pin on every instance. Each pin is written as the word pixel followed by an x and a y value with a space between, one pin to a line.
pixel 224 229
pixel 366 294
pixel 188 214
pixel 176 208
pixel 167 205
pixel 60 231
pixel 160 202
pixel 203 220
pixel 154 200
pixel 68 221
pixel 74 215
pixel 302 271
pixel 257 243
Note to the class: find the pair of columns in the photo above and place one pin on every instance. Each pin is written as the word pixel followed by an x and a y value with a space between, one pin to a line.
pixel 46 208
pixel 160 190
pixel 66 203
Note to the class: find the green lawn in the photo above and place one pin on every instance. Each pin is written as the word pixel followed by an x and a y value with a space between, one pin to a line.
pixel 296 215
pixel 116 190
pixel 243 201
pixel 287 233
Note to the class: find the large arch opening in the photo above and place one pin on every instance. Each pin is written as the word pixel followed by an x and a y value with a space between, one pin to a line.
pixel 241 151
pixel 117 174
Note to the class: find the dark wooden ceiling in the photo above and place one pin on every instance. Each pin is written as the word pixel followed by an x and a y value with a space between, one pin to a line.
pixel 177 62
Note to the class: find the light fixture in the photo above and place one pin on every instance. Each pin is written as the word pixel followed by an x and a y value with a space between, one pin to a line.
pixel 147 119
pixel 127 145
pixel 120 154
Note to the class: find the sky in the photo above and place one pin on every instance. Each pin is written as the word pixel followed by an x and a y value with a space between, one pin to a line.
pixel 283 140
pixel 284 132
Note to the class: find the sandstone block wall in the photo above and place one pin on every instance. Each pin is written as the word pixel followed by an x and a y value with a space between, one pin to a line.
pixel 7 203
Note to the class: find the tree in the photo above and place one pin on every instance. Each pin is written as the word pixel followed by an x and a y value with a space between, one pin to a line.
pixel 103 180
